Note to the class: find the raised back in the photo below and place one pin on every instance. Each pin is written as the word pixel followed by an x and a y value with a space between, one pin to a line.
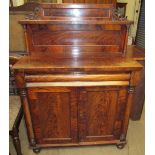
pixel 82 11
pixel 90 1
pixel 66 30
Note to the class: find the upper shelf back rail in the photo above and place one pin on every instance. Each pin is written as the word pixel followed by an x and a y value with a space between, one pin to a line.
pixel 48 10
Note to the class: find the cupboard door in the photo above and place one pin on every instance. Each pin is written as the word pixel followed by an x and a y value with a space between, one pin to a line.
pixel 54 114
pixel 101 113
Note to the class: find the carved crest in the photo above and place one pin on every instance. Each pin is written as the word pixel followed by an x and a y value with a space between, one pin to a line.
pixel 35 15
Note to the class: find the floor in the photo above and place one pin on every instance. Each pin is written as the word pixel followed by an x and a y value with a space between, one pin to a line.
pixel 134 146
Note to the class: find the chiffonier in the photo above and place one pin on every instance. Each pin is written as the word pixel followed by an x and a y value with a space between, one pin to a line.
pixel 76 84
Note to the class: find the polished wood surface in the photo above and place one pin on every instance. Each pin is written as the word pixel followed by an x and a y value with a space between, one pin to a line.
pixel 138 54
pixel 96 83
pixel 99 119
pixel 105 64
pixel 77 77
pixel 78 80
pixel 78 84
pixel 79 29
pixel 60 121
pixel 139 96
pixel 133 52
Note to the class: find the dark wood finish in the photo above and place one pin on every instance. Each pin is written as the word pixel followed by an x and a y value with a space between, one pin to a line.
pixel 139 96
pixel 99 117
pixel 52 65
pixel 138 54
pixel 43 93
pixel 59 121
pixel 78 79
pixel 133 52
pixel 58 29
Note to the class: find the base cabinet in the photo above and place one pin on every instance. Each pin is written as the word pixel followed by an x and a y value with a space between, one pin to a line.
pixel 77 115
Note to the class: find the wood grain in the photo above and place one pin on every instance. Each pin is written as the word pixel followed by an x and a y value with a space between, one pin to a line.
pixel 79 26
pixel 78 75
pixel 77 84
pixel 97 113
pixel 54 127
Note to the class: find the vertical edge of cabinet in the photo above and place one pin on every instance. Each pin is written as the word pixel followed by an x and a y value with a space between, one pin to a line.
pixel 139 96
pixel 135 77
pixel 127 113
pixel 20 82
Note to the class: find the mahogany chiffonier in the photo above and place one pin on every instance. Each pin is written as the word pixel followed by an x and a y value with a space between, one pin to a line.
pixel 76 84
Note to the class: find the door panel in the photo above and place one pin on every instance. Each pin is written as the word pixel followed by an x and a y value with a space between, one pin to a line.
pixel 100 115
pixel 54 114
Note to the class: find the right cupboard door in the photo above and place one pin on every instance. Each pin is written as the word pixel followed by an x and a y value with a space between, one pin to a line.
pixel 101 113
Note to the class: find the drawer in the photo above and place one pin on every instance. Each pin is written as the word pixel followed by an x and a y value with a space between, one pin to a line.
pixel 77 80
pixel 77 77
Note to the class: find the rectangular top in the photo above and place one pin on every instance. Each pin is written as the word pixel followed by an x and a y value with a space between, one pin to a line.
pixel 100 64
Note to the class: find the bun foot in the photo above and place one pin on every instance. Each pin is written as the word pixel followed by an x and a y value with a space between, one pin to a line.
pixel 36 150
pixel 120 146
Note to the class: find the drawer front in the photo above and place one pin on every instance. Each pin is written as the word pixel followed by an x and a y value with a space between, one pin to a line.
pixel 77 77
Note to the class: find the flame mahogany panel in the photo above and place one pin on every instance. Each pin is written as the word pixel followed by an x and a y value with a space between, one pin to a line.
pixel 76 38
pixel 58 107
pixel 100 116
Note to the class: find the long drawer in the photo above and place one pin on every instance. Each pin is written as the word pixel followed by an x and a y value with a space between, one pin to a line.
pixel 77 77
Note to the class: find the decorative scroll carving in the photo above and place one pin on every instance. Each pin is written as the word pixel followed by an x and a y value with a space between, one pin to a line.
pixel 117 16
pixel 35 15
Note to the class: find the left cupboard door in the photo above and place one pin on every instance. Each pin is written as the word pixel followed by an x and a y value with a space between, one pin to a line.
pixel 54 114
